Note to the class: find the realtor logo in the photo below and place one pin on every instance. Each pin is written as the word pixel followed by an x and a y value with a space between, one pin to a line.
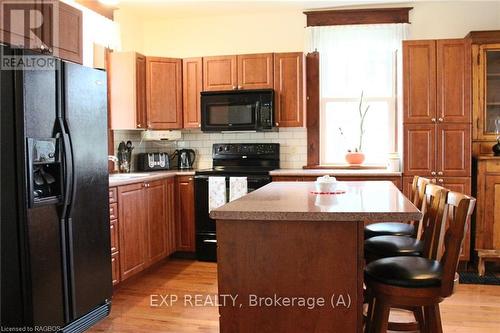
pixel 29 25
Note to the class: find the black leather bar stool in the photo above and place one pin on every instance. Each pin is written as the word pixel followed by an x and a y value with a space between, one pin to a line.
pixel 394 246
pixel 397 228
pixel 421 283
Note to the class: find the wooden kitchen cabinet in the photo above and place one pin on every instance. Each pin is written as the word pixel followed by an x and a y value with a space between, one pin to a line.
pixel 437 108
pixel 419 149
pixel 127 92
pixel 437 81
pixel 171 216
pixel 185 205
pixel 114 233
pixel 156 199
pixel 63 40
pixel 164 93
pixel 133 229
pixel 289 89
pixel 255 71
pixel 487 240
pixel 67 41
pixel 232 72
pixel 192 85
pixel 453 85
pixel 419 81
pixel 146 231
pixel 220 73
pixel 454 150
pixel 115 269
pixel 13 31
pixel 486 88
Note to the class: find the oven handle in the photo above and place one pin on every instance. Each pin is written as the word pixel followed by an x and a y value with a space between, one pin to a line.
pixel 250 179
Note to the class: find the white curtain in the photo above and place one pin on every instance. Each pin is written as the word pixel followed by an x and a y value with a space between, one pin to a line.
pixel 355 59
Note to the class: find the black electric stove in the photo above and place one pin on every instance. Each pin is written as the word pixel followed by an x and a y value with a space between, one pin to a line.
pixel 251 160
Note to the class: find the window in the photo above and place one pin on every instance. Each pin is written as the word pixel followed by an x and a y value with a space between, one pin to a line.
pixel 358 59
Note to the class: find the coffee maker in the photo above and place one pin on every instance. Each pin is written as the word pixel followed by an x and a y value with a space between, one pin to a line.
pixel 185 158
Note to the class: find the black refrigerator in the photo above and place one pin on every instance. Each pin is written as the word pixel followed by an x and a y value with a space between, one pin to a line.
pixel 55 236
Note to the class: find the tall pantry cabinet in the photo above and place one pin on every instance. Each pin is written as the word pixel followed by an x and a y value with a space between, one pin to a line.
pixel 437 114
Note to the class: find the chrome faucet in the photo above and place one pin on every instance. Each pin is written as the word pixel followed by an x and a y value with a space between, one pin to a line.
pixel 114 159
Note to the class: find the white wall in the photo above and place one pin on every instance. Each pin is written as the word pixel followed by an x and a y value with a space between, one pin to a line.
pixel 283 30
pixel 453 19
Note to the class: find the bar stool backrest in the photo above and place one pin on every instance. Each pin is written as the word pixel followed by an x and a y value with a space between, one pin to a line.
pixel 435 204
pixel 459 209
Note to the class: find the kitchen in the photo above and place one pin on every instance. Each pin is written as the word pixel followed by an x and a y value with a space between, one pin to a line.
pixel 197 122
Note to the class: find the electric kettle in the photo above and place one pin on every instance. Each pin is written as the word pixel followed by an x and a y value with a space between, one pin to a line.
pixel 185 158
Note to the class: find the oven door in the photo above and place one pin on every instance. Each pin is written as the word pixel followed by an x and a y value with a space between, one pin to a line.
pixel 206 240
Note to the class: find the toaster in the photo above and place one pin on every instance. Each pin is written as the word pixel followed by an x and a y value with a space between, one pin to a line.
pixel 153 161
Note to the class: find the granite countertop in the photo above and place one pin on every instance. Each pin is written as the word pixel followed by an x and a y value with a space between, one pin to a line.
pixel 293 201
pixel 335 172
pixel 136 177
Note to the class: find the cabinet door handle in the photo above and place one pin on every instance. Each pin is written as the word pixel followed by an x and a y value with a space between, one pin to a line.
pixel 234 87
pixel 440 180
pixel 433 120
pixel 440 120
pixel 440 173
pixel 433 173
pixel 277 124
pixel 139 125
pixel 239 87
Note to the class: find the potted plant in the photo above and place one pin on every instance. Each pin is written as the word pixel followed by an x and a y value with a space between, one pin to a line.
pixel 356 156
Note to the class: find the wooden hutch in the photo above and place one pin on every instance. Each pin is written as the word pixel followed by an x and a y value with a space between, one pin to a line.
pixel 485 48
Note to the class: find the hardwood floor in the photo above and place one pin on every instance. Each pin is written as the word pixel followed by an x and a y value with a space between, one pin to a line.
pixel 473 308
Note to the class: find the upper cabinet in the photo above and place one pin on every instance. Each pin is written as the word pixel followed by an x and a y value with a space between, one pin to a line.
pixel 247 71
pixel 419 81
pixel 127 72
pixel 192 84
pixel 219 73
pixel 453 80
pixel 164 93
pixel 58 30
pixel 289 89
pixel 67 43
pixel 255 71
pixel 436 78
pixel 486 76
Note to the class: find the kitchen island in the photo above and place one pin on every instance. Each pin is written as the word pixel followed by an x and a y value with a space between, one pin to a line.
pixel 292 261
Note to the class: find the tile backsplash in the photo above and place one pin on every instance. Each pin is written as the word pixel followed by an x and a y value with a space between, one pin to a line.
pixel 293 144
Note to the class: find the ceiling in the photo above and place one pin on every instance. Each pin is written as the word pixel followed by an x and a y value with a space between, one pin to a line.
pixel 192 8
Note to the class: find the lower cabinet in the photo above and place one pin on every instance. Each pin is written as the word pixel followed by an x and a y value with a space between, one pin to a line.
pixel 133 226
pixel 185 214
pixel 146 232
pixel 487 240
pixel 113 228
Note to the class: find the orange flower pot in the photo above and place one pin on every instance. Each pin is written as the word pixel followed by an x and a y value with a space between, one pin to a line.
pixel 355 158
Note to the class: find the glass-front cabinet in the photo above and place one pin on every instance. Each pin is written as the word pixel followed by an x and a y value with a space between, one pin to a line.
pixel 486 105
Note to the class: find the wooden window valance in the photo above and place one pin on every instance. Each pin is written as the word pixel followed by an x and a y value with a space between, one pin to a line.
pixel 358 16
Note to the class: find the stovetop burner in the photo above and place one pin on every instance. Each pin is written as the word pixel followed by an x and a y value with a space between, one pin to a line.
pixel 243 159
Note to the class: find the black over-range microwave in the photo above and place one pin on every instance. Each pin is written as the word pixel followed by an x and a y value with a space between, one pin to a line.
pixel 240 110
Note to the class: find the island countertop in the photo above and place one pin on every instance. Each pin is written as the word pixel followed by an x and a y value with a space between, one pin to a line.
pixel 294 201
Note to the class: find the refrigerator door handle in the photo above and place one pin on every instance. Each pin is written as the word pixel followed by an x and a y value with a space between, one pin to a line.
pixel 68 172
